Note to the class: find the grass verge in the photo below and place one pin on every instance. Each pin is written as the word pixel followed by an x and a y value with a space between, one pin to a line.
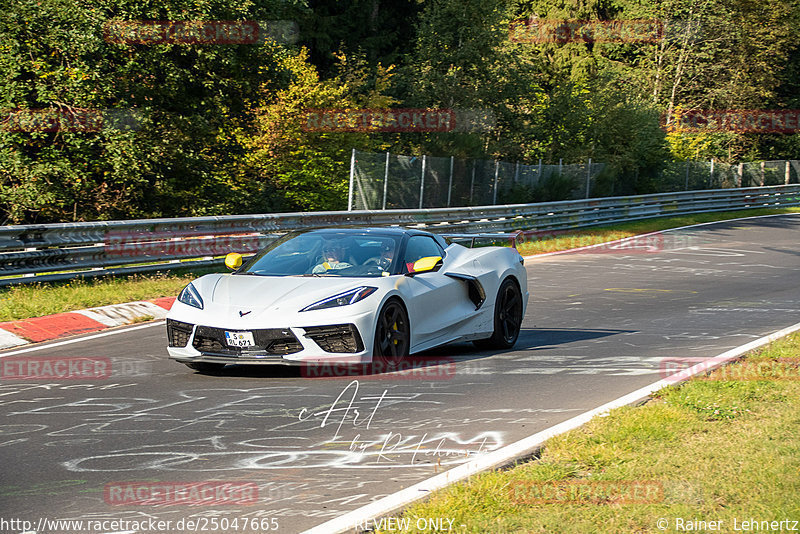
pixel 34 300
pixel 23 302
pixel 716 450
pixel 602 234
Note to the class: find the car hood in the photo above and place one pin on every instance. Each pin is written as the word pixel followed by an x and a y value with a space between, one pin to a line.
pixel 260 294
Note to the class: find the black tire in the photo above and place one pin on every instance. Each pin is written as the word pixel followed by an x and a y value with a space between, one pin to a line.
pixel 507 317
pixel 206 368
pixel 392 335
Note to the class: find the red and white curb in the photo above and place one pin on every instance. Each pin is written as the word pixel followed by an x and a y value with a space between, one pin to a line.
pixel 49 327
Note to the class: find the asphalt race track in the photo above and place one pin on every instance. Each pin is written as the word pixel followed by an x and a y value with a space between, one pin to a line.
pixel 600 324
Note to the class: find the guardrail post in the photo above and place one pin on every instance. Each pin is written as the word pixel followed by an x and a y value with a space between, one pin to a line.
pixel 422 181
pixel 496 177
pixel 450 184
pixel 588 176
pixel 352 173
pixel 711 175
pixel 686 187
pixel 385 181
pixel 472 182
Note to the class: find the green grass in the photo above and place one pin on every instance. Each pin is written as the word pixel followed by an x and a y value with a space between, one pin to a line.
pixel 719 450
pixel 34 300
pixel 603 234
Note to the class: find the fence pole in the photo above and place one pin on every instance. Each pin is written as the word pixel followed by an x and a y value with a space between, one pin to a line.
pixel 539 174
pixel 352 172
pixel 385 180
pixel 422 182
pixel 588 177
pixel 686 185
pixel 450 185
pixel 741 175
pixel 516 174
pixel 472 182
pixel 711 175
pixel 496 176
pixel 560 165
pixel 786 174
pixel 762 174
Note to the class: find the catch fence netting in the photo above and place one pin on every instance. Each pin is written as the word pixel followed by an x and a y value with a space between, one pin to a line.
pixel 395 181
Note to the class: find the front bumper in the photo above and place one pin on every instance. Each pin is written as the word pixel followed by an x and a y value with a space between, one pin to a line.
pixel 335 343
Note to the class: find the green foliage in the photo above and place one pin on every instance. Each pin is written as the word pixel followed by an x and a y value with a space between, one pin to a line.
pixel 308 170
pixel 551 189
pixel 217 129
pixel 183 100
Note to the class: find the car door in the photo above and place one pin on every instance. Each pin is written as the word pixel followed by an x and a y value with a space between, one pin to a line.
pixel 436 303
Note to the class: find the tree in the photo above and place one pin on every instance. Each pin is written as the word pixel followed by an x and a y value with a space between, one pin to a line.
pixel 182 100
pixel 292 167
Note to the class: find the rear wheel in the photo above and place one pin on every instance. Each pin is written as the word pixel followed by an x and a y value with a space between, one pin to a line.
pixel 206 368
pixel 507 317
pixel 392 335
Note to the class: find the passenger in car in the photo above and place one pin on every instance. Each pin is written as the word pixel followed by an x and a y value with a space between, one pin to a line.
pixel 332 255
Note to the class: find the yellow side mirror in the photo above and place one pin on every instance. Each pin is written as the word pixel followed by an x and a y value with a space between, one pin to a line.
pixel 426 264
pixel 233 261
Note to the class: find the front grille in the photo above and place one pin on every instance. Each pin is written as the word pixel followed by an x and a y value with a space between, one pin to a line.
pixel 178 333
pixel 336 338
pixel 269 340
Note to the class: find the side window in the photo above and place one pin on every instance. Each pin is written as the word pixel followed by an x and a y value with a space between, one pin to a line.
pixel 420 246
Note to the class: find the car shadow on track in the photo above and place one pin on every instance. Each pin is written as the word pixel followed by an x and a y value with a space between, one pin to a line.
pixel 529 339
pixel 435 363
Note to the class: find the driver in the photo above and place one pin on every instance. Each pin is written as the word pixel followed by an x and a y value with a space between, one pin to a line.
pixel 333 255
pixel 387 254
pixel 384 261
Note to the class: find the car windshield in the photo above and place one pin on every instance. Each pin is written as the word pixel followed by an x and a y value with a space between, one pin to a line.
pixel 326 253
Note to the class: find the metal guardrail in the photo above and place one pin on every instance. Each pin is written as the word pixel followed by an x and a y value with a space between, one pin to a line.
pixel 50 252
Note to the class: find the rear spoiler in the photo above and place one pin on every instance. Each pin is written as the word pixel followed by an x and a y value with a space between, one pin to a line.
pixel 511 238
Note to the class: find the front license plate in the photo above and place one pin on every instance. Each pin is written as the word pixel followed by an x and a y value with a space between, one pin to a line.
pixel 240 339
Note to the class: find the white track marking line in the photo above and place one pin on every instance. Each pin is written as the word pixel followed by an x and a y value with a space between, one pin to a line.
pixel 78 340
pixel 525 446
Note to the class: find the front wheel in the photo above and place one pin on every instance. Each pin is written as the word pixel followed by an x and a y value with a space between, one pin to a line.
pixel 507 317
pixel 392 335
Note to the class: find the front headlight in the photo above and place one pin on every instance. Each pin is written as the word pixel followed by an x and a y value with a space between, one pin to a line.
pixel 191 296
pixel 342 299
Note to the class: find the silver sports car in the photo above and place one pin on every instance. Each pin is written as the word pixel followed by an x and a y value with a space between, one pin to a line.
pixel 346 296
